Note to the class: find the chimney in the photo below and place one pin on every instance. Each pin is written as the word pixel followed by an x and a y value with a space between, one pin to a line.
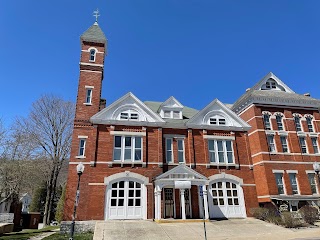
pixel 307 94
pixel 102 104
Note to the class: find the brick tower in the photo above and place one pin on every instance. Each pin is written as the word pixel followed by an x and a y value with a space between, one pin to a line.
pixel 89 102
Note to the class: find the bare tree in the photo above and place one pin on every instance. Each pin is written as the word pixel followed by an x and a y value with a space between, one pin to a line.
pixel 49 125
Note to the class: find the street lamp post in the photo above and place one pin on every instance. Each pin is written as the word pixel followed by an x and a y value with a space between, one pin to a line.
pixel 80 169
pixel 316 168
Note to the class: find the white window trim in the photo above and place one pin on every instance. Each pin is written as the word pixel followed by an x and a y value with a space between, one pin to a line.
pixel 133 147
pixel 172 155
pixel 316 182
pixel 286 137
pixel 84 138
pixel 224 147
pixel 298 189
pixel 87 88
pixel 125 133
pixel 305 143
pixel 274 144
pixel 176 136
pixel 171 113
pixel 282 122
pixel 95 54
pixel 292 171
pixel 183 150
pixel 316 143
pixel 283 183
pixel 266 113
pixel 214 137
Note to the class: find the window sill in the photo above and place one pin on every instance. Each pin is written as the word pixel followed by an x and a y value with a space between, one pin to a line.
pixel 87 104
pixel 92 61
pixel 122 164
pixel 80 157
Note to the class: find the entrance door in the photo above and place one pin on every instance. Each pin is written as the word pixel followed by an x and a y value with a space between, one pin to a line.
pixel 168 203
pixel 125 200
pixel 226 200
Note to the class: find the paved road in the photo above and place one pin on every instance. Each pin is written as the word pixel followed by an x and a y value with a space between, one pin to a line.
pixel 242 229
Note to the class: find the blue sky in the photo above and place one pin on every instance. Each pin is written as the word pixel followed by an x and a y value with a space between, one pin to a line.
pixel 195 50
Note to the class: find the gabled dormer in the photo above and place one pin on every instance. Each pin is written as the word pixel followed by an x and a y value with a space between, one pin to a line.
pixel 272 82
pixel 128 110
pixel 171 108
pixel 217 116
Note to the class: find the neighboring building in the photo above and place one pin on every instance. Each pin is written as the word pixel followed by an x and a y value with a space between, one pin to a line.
pixel 26 201
pixel 5 206
pixel 148 160
pixel 284 142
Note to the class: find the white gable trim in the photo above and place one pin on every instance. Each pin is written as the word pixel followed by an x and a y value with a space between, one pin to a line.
pixel 231 117
pixel 185 168
pixel 166 104
pixel 126 174
pixel 109 114
pixel 263 81
pixel 226 176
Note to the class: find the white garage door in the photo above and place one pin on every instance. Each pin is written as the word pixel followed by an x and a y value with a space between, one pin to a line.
pixel 125 200
pixel 226 200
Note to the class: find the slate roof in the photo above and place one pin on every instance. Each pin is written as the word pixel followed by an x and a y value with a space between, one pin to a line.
pixel 187 113
pixel 94 34
pixel 278 97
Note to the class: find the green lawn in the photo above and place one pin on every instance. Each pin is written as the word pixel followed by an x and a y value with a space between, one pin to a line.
pixel 58 236
pixel 26 234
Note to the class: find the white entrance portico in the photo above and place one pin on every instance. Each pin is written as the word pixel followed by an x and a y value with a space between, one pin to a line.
pixel 181 177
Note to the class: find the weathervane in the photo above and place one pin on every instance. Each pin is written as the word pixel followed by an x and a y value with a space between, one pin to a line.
pixel 96 14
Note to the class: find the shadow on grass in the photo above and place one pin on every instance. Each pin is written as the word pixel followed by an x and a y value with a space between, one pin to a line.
pixel 26 234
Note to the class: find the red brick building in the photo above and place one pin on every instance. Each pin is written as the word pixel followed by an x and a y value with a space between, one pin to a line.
pixel 284 142
pixel 155 160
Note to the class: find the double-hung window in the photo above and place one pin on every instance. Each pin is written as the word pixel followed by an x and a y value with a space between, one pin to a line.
pixel 127 148
pixel 279 182
pixel 272 147
pixel 314 141
pixel 82 147
pixel 88 95
pixel 180 143
pixel 309 123
pixel 294 183
pixel 297 123
pixel 279 122
pixel 303 146
pixel 169 150
pixel 284 144
pixel 266 121
pixel 220 151
pixel 313 185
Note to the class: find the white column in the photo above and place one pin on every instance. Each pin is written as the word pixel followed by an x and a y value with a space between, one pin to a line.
pixel 183 204
pixel 156 204
pixel 159 204
pixel 200 203
pixel 205 200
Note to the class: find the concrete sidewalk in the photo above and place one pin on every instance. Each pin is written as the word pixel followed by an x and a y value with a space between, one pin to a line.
pixel 228 229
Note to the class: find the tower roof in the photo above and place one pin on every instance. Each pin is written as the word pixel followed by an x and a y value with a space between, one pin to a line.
pixel 94 34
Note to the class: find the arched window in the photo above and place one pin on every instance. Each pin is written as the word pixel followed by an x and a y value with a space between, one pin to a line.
pixel 297 118
pixel 92 55
pixel 266 120
pixel 279 118
pixel 271 84
pixel 309 122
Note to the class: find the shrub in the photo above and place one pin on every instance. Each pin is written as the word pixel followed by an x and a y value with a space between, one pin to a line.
pixel 289 221
pixel 260 213
pixel 277 220
pixel 265 214
pixel 309 214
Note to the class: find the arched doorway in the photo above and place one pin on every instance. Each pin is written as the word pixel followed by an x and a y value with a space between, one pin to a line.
pixel 225 197
pixel 126 197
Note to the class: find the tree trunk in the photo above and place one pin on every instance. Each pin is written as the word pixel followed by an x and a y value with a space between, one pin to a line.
pixel 47 209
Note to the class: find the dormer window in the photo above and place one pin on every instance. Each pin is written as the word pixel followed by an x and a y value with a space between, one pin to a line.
pixel 172 114
pixel 129 115
pixel 217 121
pixel 271 84
pixel 92 55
